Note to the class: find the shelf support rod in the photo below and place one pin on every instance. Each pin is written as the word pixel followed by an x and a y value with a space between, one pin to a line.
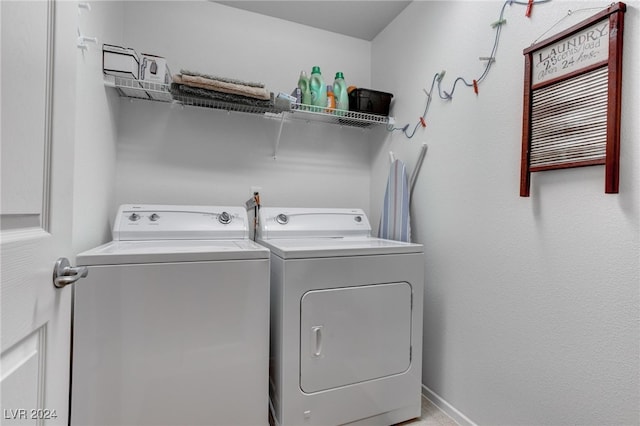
pixel 275 148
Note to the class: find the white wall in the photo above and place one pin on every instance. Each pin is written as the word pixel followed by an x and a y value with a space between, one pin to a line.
pixel 96 129
pixel 167 154
pixel 531 304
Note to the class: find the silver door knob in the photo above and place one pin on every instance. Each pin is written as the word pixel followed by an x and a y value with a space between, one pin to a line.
pixel 64 274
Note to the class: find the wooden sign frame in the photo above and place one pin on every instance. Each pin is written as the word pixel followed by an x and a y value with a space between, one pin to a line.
pixel 572 99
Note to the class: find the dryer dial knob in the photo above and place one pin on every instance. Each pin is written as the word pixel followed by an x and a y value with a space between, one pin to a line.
pixel 282 219
pixel 154 217
pixel 224 218
pixel 134 217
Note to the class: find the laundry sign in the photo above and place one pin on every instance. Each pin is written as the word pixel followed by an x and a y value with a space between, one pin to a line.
pixel 581 50
pixel 572 99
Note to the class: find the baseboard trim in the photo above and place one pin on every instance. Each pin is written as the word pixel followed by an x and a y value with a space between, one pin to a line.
pixel 449 409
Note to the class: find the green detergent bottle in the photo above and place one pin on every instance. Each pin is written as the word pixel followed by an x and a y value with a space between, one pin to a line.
pixel 305 91
pixel 318 90
pixel 340 92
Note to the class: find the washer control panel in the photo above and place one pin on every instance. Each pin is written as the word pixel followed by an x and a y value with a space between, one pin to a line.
pixel 176 222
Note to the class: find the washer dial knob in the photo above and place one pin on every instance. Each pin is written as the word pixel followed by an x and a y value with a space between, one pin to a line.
pixel 224 218
pixel 134 217
pixel 282 219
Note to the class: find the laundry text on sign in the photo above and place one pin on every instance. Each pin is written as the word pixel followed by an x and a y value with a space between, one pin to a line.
pixel 571 54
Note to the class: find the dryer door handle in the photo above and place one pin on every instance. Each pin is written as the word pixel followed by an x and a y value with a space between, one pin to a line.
pixel 316 332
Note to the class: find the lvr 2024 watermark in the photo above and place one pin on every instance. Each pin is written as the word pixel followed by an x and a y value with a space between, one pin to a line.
pixel 29 414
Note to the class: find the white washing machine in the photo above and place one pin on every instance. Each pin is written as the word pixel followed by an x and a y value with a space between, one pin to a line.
pixel 171 324
pixel 346 319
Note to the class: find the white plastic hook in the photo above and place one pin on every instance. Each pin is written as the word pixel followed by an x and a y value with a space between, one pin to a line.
pixel 392 157
pixel 83 5
pixel 82 40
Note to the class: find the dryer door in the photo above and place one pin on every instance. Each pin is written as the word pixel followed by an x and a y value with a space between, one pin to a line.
pixel 354 334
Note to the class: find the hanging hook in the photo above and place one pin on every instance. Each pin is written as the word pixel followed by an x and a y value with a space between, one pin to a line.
pixel 82 40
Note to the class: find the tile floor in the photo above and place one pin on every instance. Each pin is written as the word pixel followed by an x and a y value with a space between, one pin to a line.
pixel 431 416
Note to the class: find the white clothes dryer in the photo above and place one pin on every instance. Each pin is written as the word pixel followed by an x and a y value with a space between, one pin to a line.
pixel 171 324
pixel 346 319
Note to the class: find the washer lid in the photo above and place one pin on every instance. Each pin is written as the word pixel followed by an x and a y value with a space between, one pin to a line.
pixel 163 251
pixel 280 222
pixel 302 248
pixel 141 222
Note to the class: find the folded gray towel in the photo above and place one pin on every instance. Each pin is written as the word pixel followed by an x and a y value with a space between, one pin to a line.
pixel 195 92
pixel 221 86
pixel 223 79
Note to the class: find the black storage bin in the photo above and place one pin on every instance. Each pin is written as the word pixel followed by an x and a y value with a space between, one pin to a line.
pixel 370 101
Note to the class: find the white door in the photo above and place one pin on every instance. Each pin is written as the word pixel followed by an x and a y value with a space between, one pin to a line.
pixel 37 87
pixel 351 335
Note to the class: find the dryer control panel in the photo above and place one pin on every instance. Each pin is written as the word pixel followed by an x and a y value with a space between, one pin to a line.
pixel 140 222
pixel 277 222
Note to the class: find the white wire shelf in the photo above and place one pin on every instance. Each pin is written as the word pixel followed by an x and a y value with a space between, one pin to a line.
pixel 341 117
pixel 227 106
pixel 137 89
pixel 131 88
